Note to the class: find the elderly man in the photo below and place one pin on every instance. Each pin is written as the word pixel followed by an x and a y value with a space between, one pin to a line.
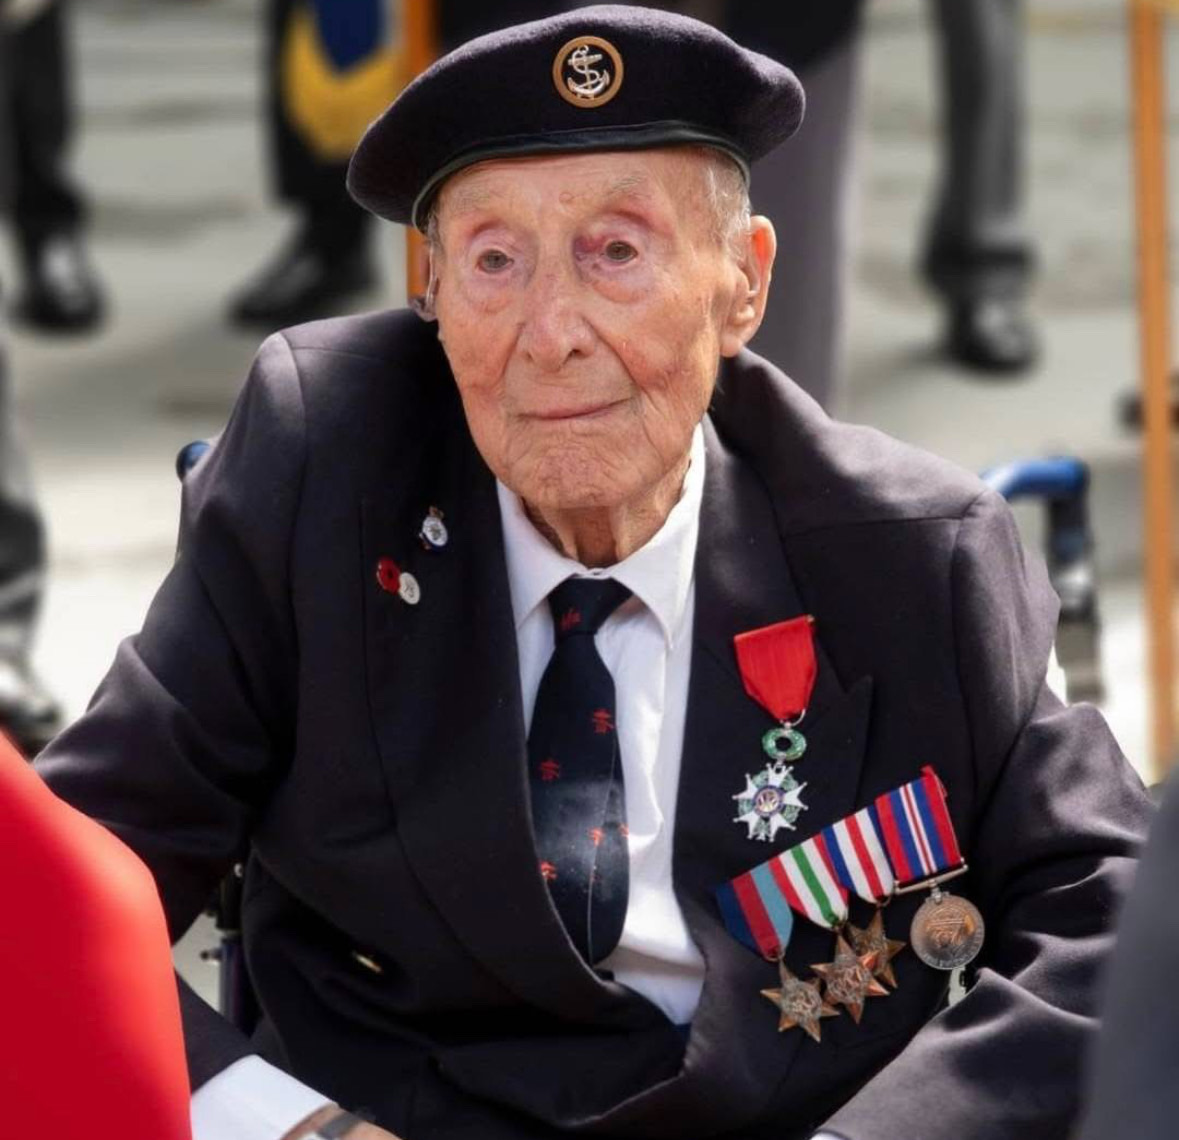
pixel 481 633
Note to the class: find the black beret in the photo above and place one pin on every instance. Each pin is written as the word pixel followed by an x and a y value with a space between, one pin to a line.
pixel 603 78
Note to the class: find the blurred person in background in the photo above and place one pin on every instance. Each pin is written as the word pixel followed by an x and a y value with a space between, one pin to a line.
pixel 978 256
pixel 28 714
pixel 59 289
pixel 803 329
pixel 331 66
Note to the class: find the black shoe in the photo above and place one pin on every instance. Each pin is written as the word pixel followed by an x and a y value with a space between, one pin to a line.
pixel 306 280
pixel 61 292
pixel 29 716
pixel 992 334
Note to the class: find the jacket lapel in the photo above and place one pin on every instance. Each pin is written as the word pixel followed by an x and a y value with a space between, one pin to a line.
pixel 743 582
pixel 445 699
pixel 735 1057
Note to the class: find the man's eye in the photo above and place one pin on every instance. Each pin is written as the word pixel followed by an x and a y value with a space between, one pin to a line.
pixel 620 251
pixel 494 261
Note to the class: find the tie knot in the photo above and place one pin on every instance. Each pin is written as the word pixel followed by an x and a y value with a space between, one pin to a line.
pixel 581 605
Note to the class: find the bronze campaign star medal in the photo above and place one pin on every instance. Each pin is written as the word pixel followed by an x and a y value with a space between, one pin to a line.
pixel 800 1003
pixel 873 940
pixel 849 978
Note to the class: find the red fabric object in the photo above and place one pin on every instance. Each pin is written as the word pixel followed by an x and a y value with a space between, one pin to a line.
pixel 778 666
pixel 91 1047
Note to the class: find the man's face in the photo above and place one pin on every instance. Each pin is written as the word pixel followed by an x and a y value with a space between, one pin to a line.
pixel 584 303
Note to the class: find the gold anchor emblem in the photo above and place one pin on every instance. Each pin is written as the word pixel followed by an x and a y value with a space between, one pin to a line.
pixel 588 71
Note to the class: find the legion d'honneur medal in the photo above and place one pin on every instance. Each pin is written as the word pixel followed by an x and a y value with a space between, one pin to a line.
pixel 778 669
pixel 947 931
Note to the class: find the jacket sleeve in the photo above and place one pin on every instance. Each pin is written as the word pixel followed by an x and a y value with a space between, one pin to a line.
pixel 1057 819
pixel 190 730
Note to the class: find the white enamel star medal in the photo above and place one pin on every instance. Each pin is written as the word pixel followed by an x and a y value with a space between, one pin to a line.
pixel 770 802
pixel 778 668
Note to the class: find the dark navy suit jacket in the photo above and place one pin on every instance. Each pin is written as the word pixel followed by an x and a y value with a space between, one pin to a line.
pixel 368 757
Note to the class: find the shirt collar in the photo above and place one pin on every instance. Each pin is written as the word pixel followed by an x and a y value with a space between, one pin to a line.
pixel 659 573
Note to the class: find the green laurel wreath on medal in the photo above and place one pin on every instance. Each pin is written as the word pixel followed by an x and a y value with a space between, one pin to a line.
pixel 795 743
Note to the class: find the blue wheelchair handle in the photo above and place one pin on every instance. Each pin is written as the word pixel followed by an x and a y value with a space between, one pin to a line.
pixel 190 455
pixel 1061 478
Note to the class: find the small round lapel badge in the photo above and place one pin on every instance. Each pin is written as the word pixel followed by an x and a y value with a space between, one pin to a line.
pixel 588 71
pixel 388 575
pixel 393 580
pixel 409 591
pixel 434 534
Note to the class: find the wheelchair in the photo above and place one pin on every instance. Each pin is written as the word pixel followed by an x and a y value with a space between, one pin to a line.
pixel 1061 484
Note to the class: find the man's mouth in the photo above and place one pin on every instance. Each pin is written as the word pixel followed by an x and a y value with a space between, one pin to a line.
pixel 580 411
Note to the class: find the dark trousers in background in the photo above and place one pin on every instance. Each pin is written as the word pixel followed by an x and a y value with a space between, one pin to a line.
pixel 978 242
pixel 22 537
pixel 38 106
pixel 804 188
pixel 303 179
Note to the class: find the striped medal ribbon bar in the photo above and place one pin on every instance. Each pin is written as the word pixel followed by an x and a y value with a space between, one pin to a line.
pixel 858 857
pixel 810 884
pixel 758 907
pixel 917 831
pixel 755 912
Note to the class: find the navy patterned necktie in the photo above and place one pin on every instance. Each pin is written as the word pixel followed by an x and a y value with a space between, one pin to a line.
pixel 575 772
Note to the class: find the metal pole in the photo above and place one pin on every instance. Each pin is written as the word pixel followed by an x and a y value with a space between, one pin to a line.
pixel 1150 138
pixel 419 29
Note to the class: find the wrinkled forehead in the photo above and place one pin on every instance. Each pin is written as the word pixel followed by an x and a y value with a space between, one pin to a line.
pixel 668 180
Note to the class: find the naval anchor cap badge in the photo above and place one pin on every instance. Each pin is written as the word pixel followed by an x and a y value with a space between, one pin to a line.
pixel 588 71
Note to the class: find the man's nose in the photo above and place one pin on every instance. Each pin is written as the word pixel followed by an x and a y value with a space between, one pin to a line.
pixel 554 328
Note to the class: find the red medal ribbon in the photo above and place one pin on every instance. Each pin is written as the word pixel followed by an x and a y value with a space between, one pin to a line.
pixel 778 666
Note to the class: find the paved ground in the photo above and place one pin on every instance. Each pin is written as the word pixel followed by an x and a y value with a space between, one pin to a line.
pixel 171 150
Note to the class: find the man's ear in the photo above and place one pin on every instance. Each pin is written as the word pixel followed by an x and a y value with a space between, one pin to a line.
pixel 425 305
pixel 753 287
